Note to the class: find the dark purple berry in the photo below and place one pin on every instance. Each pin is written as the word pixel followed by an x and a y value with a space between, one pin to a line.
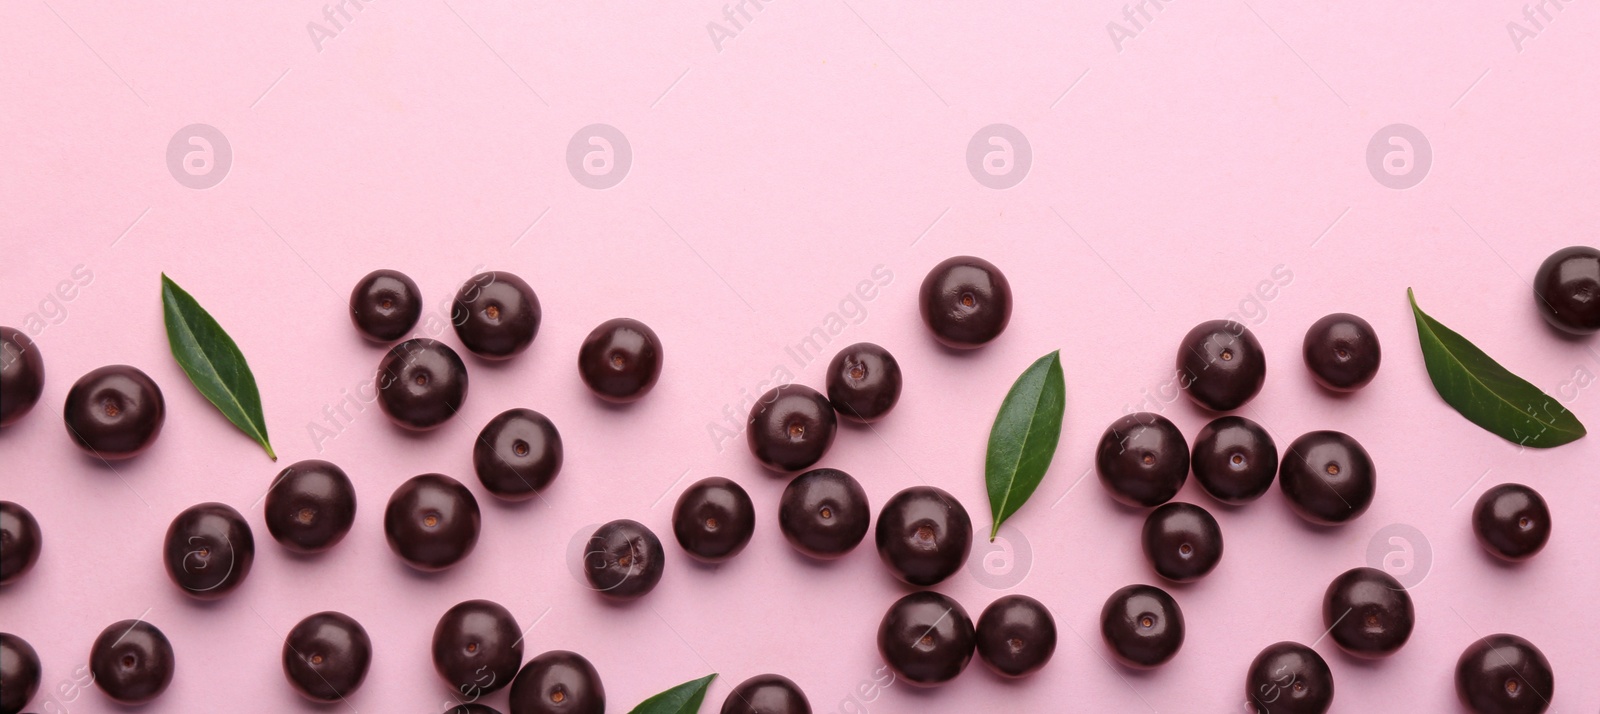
pixel 385 305
pixel 1567 290
pixel 1142 460
pixel 1511 521
pixel 311 506
pixel 496 315
pixel 621 360
pixel 115 412
pixel 791 428
pixel 713 519
pixel 926 638
pixel 132 662
pixel 518 454
pixel 326 656
pixel 1142 626
pixel 21 375
pixel 965 302
pixel 422 383
pixel 1342 352
pixel 1221 365
pixel 863 382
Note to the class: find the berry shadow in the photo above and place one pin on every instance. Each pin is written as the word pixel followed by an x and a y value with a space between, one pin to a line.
pixel 506 505
pixel 618 604
pixel 1141 673
pixel 102 463
pixel 817 563
pixel 493 365
pixel 422 576
pixel 1365 663
pixel 1325 393
pixel 1287 514
pixel 202 605
pixel 612 407
pixel 703 566
pixel 1565 336
pixel 1508 566
pixel 949 351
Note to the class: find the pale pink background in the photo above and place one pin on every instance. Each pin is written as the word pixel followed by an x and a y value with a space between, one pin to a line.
pixel 825 139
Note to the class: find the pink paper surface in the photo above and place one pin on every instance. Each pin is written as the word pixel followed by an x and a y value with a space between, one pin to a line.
pixel 1198 161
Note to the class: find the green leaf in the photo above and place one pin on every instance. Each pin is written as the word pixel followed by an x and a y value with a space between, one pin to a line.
pixel 1486 393
pixel 1023 438
pixel 682 699
pixel 213 362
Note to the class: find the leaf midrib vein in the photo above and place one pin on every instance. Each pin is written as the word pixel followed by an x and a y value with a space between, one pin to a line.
pixel 1427 321
pixel 211 368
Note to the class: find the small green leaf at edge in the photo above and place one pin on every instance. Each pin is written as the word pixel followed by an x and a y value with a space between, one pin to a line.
pixel 1556 426
pixel 187 324
pixel 1024 436
pixel 682 699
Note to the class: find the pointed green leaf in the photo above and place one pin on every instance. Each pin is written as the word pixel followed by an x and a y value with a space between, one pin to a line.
pixel 1486 393
pixel 1023 438
pixel 682 699
pixel 213 362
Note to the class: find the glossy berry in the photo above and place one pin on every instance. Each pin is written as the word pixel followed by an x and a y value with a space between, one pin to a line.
pixel 1327 477
pixel 966 302
pixel 863 382
pixel 19 673
pixel 115 412
pixel 310 506
pixel 558 682
pixel 1142 460
pixel 624 560
pixel 1567 290
pixel 421 383
pixel 620 360
pixel 924 535
pixel 1234 459
pixel 20 541
pixel 326 656
pixel 1289 678
pixel 517 454
pixel 1016 636
pixel 1142 626
pixel 926 638
pixel 1342 352
pixel 477 648
pixel 21 375
pixel 208 550
pixel 1221 365
pixel 713 519
pixel 432 522
pixel 767 694
pixel 496 315
pixel 1504 674
pixel 824 513
pixel 1511 521
pixel 1182 542
pixel 385 305
pixel 790 428
pixel 132 662
pixel 1368 613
